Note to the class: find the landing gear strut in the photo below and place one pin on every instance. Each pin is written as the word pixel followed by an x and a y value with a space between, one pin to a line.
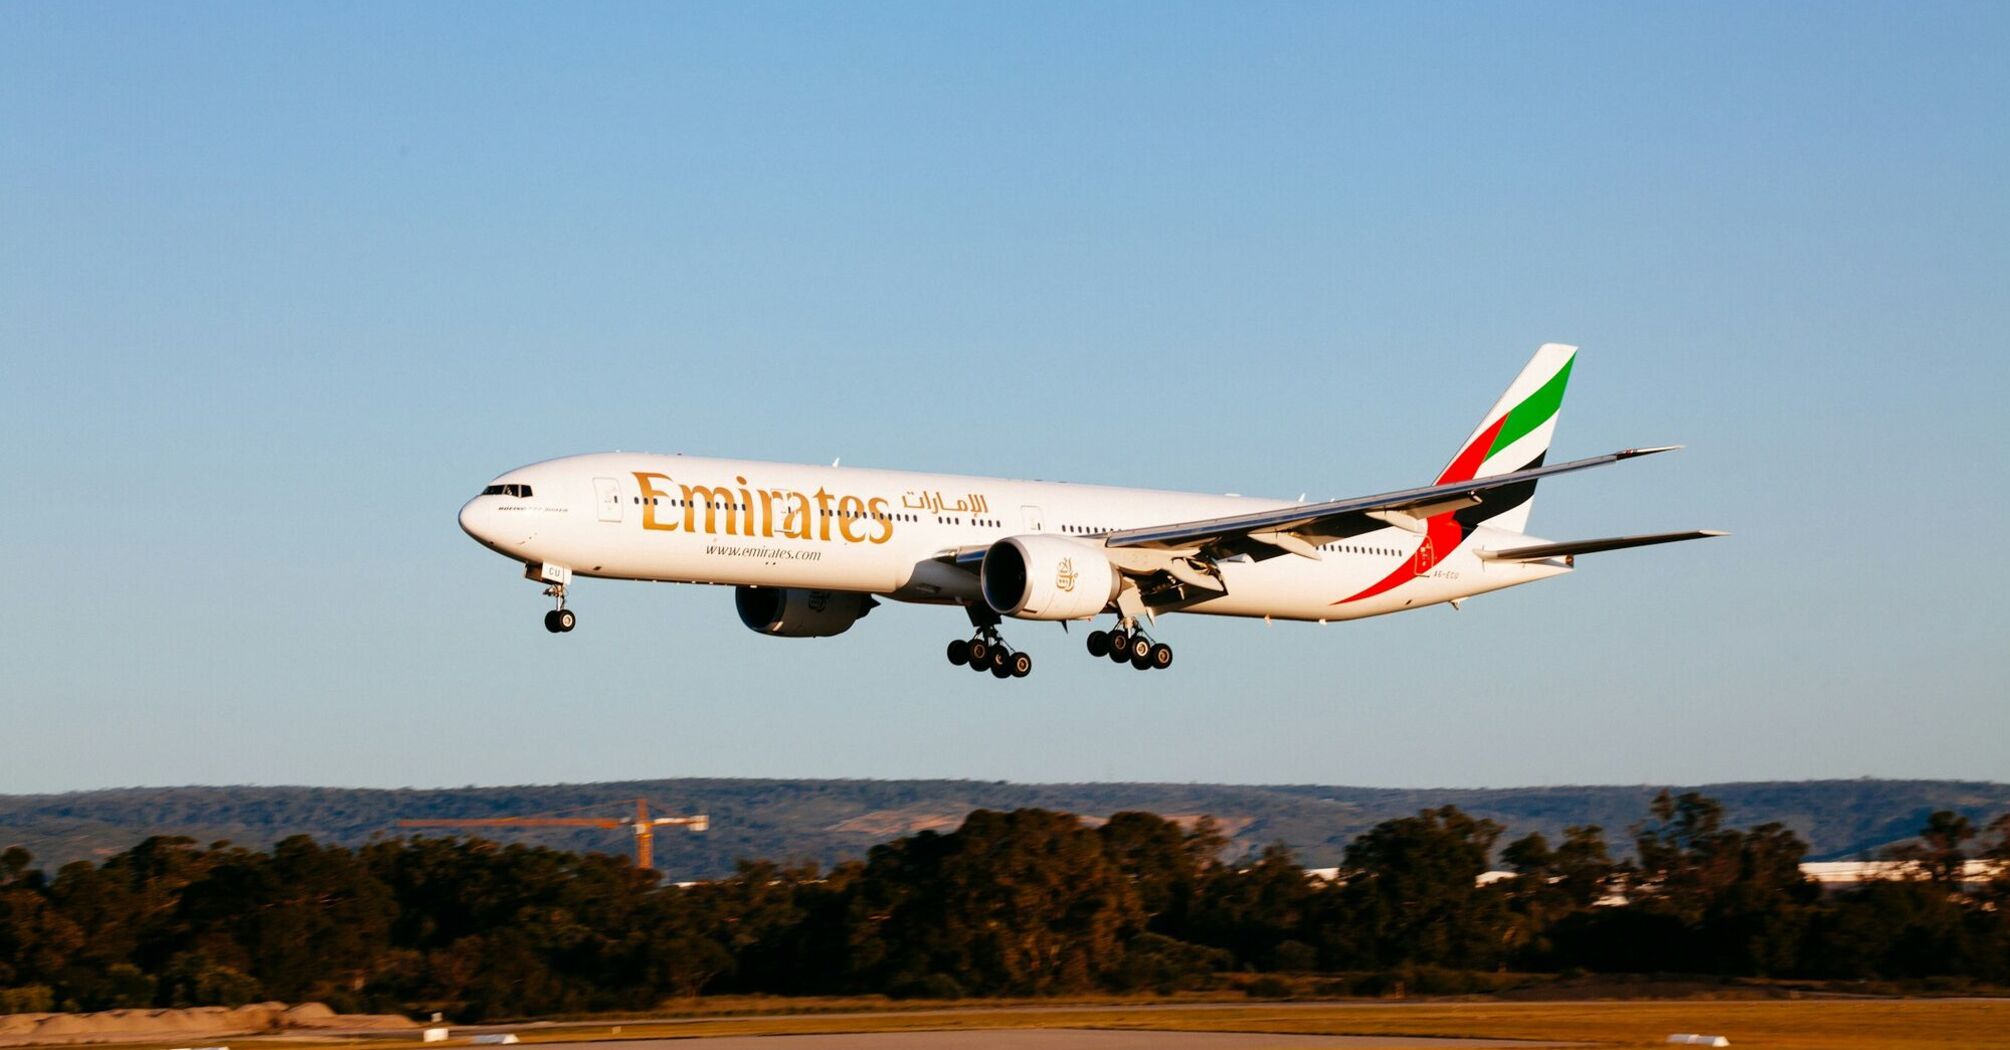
pixel 987 651
pixel 554 578
pixel 1127 643
pixel 561 619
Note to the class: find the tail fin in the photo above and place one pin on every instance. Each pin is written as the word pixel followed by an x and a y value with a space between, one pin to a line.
pixel 1513 436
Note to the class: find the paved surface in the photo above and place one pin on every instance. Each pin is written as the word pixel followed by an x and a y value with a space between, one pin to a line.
pixel 1054 1039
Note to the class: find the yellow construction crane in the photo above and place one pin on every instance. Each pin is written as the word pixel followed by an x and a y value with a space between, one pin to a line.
pixel 645 826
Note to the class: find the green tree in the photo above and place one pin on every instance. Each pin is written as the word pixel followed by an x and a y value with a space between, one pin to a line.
pixel 308 922
pixel 1410 893
pixel 1025 902
pixel 1163 861
pixel 1253 909
pixel 1551 885
pixel 37 941
pixel 758 918
pixel 1940 854
pixel 1996 888
pixel 1737 898
pixel 195 978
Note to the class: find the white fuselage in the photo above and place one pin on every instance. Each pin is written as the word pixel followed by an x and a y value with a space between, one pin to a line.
pixel 738 522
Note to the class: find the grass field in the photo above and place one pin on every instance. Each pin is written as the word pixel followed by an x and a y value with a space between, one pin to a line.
pixel 1807 1024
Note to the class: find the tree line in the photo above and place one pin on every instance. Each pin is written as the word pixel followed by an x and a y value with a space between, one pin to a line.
pixel 804 819
pixel 1027 902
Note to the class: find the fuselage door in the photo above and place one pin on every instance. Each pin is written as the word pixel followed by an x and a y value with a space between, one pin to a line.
pixel 607 494
pixel 1033 520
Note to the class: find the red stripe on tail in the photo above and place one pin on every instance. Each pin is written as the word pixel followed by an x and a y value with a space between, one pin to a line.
pixel 1469 459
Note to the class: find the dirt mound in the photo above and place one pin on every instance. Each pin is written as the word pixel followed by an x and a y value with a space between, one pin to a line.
pixel 197 1021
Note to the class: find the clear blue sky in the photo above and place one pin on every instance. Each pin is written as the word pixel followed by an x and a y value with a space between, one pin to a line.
pixel 281 285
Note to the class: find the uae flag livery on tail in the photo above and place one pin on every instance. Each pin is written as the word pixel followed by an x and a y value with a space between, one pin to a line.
pixel 1513 436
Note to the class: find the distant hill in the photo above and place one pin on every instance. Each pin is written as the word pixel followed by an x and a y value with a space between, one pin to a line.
pixel 833 820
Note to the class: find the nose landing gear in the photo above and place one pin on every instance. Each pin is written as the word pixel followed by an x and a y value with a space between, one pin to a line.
pixel 554 578
pixel 1127 644
pixel 561 619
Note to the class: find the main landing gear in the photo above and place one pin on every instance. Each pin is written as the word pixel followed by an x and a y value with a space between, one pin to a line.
pixel 987 651
pixel 1128 644
pixel 561 619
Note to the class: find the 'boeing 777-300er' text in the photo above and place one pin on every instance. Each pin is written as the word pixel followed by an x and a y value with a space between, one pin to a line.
pixel 811 549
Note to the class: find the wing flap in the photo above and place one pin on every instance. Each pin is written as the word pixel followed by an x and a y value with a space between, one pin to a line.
pixel 1545 551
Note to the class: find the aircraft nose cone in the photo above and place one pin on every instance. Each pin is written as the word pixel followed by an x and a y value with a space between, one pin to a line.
pixel 475 520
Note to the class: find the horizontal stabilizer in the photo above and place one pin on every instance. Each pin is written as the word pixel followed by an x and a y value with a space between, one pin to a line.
pixel 1544 551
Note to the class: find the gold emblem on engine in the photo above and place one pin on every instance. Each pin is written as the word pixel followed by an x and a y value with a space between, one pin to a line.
pixel 1065 575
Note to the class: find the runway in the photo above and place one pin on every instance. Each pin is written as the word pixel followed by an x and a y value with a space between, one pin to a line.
pixel 1057 1039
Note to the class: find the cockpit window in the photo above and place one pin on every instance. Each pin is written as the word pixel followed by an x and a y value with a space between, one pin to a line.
pixel 519 491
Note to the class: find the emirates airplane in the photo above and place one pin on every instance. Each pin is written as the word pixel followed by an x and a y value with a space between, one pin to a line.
pixel 810 550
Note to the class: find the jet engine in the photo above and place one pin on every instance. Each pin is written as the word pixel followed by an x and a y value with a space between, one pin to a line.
pixel 796 612
pixel 1047 578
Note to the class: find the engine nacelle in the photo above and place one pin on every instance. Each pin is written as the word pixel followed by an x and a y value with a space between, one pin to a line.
pixel 1047 578
pixel 796 612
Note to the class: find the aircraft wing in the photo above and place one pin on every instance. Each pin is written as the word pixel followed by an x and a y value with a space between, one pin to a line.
pixel 1545 551
pixel 1300 529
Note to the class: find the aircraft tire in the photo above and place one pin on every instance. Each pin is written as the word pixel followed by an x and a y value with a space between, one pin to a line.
pixel 1022 665
pixel 551 621
pixel 567 620
pixel 1140 649
pixel 959 652
pixel 1099 643
pixel 1120 645
pixel 1161 656
pixel 1142 663
pixel 977 651
pixel 1001 671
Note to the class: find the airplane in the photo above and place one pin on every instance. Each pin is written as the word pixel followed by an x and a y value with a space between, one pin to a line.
pixel 810 550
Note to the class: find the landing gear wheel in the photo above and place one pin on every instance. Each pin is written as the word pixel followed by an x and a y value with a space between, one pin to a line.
pixel 1099 644
pixel 1118 644
pixel 1000 666
pixel 978 652
pixel 1021 665
pixel 1142 663
pixel 566 620
pixel 551 621
pixel 1161 656
pixel 1140 651
pixel 959 652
